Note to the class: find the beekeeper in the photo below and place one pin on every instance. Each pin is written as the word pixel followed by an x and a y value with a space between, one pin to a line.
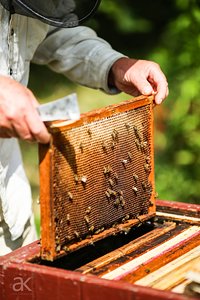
pixel 49 32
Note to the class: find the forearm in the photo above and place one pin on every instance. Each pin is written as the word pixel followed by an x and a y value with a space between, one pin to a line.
pixel 80 55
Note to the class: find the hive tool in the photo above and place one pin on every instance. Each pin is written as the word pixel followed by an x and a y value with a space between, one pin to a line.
pixel 65 108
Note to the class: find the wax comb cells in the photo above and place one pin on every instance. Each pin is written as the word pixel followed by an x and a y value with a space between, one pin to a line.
pixel 96 176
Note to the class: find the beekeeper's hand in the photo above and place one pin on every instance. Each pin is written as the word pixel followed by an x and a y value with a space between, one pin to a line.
pixel 136 77
pixel 18 114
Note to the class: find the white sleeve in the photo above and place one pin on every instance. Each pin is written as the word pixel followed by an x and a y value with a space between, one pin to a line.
pixel 80 55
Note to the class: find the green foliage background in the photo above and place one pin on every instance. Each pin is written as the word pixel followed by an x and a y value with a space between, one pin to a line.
pixel 167 32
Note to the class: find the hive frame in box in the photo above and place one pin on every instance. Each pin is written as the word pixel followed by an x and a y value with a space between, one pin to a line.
pixel 122 218
pixel 23 277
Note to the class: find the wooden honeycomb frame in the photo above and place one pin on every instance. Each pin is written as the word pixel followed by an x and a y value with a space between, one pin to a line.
pixel 51 245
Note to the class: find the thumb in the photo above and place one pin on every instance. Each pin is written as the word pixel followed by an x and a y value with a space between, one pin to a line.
pixel 146 89
pixel 142 84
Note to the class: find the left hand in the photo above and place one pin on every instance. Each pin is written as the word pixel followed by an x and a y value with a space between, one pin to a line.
pixel 136 77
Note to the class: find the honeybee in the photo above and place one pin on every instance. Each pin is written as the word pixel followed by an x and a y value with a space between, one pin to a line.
pixel 135 177
pixel 112 192
pixel 76 178
pixel 148 159
pixel 70 196
pixel 104 145
pixel 87 220
pixel 137 144
pixel 123 202
pixel 68 218
pixel 116 176
pixel 66 249
pixel 117 202
pixel 58 248
pixel 134 188
pixel 127 217
pixel 81 146
pixel 127 125
pixel 91 228
pixel 84 179
pixel 88 210
pixel 130 156
pixel 107 194
pixel 144 186
pixel 76 233
pixel 124 162
pixel 97 231
pixel 114 134
pixel 120 192
pixel 147 167
pixel 89 131
pixel 143 145
pixel 111 182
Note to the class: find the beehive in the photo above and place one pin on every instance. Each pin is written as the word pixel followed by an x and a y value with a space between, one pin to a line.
pixel 150 262
pixel 96 176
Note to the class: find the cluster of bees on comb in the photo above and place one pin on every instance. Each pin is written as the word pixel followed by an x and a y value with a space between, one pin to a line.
pixel 112 189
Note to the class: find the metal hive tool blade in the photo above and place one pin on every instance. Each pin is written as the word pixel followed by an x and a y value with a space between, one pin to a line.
pixel 96 176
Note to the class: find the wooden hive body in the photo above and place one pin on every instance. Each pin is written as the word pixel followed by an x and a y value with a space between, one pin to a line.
pixel 143 264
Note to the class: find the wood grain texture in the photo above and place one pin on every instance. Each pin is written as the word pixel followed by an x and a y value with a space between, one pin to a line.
pixel 163 279
pixel 157 257
pixel 48 282
pixel 102 264
pixel 179 208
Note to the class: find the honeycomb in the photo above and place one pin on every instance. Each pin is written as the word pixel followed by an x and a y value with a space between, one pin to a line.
pixel 96 173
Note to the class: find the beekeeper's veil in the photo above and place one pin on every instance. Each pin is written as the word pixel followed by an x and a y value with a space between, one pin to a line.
pixel 59 13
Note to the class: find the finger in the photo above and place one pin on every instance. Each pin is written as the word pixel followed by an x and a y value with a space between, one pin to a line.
pixel 18 127
pixel 22 131
pixel 37 128
pixel 167 92
pixel 4 133
pixel 6 129
pixel 160 84
pixel 162 92
pixel 5 136
pixel 142 85
pixel 32 99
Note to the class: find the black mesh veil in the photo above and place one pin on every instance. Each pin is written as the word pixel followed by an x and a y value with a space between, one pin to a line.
pixel 59 13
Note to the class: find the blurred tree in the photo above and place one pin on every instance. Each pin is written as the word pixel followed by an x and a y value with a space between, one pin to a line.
pixel 178 161
pixel 167 32
pixel 135 26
